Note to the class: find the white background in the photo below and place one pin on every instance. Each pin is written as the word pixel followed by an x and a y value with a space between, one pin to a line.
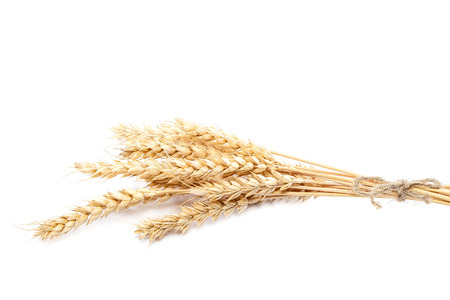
pixel 362 85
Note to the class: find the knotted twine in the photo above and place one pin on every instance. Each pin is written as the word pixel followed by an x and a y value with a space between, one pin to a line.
pixel 400 187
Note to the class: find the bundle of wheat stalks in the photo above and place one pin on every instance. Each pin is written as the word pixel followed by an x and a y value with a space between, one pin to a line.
pixel 222 173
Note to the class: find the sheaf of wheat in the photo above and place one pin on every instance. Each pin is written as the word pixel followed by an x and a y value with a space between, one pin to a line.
pixel 223 173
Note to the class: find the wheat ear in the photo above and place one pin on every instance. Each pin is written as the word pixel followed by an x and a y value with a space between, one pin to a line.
pixel 174 170
pixel 129 133
pixel 161 148
pixel 193 133
pixel 255 185
pixel 96 209
pixel 199 212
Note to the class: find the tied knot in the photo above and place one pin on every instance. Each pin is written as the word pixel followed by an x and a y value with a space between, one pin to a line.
pixel 401 187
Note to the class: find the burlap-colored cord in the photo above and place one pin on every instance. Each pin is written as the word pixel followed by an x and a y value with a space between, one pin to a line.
pixel 400 187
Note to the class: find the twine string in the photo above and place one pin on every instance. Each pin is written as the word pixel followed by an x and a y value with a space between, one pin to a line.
pixel 401 187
